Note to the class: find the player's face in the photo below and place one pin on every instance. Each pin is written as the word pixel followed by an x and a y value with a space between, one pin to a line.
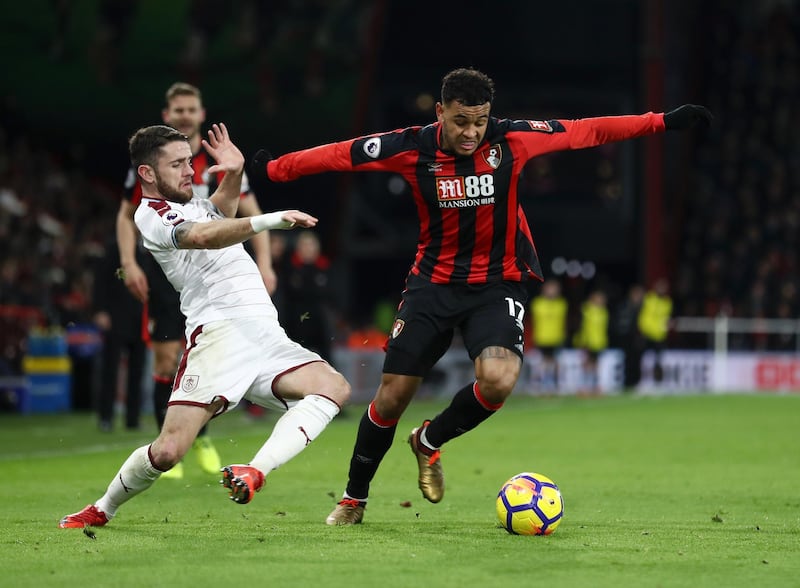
pixel 173 174
pixel 463 127
pixel 186 114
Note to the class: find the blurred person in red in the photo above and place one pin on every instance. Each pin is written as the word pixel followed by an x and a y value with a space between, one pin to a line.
pixel 307 294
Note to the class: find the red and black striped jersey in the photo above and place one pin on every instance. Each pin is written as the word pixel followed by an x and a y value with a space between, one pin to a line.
pixel 472 228
pixel 203 183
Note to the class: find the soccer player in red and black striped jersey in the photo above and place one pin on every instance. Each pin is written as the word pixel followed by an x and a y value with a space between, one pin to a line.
pixel 474 255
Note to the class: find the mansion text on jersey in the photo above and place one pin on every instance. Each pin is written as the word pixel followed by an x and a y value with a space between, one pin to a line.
pixel 466 202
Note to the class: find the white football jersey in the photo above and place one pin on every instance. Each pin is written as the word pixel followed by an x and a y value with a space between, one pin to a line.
pixel 214 284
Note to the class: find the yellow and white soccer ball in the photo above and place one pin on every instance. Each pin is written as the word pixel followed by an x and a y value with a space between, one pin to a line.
pixel 530 504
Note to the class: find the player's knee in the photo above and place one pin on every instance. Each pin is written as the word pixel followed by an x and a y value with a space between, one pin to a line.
pixel 496 384
pixel 392 399
pixel 390 407
pixel 165 359
pixel 338 389
pixel 165 368
pixel 166 453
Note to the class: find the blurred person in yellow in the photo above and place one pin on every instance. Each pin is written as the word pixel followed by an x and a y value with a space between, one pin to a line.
pixel 653 322
pixel 548 313
pixel 592 337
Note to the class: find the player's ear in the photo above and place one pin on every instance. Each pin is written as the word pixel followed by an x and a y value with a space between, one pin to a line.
pixel 146 173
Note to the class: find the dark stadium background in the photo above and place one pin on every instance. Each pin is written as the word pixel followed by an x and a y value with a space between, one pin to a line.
pixel 79 77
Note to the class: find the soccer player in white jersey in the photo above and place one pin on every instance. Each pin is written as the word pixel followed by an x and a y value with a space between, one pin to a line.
pixel 235 346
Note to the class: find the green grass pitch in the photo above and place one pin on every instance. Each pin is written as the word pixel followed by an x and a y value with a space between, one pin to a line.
pixel 674 491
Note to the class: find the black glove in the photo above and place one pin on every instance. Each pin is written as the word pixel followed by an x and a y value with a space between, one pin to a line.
pixel 688 116
pixel 258 165
pixel 257 172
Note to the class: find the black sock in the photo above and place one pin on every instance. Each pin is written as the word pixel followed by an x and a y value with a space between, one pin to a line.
pixel 161 394
pixel 372 443
pixel 466 411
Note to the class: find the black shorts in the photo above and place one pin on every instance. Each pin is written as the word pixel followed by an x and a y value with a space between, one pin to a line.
pixel 165 321
pixel 486 315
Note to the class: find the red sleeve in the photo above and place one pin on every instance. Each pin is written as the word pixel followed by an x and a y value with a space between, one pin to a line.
pixel 590 132
pixel 324 158
pixel 136 194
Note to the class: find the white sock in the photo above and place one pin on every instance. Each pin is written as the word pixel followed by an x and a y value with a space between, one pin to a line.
pixel 136 475
pixel 294 430
pixel 346 496
pixel 423 438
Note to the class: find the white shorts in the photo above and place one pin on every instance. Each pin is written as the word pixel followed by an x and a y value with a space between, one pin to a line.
pixel 235 359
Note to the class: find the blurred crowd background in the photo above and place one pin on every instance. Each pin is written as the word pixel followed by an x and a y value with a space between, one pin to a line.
pixel 713 214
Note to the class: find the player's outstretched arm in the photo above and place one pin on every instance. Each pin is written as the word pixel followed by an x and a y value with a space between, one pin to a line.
pixel 220 233
pixel 331 157
pixel 284 219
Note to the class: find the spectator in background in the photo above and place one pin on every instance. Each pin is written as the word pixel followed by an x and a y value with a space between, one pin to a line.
pixel 114 22
pixel 653 323
pixel 743 210
pixel 118 316
pixel 592 337
pixel 626 335
pixel 203 27
pixel 787 308
pixel 300 46
pixel 307 317
pixel 548 313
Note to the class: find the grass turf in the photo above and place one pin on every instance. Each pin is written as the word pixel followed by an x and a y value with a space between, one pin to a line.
pixel 672 491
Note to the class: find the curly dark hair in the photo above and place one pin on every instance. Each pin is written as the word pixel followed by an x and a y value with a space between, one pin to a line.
pixel 468 86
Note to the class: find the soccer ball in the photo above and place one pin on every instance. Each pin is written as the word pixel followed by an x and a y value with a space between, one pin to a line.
pixel 530 504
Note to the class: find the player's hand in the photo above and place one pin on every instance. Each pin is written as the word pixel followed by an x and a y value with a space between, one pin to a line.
pixel 222 149
pixel 258 165
pixel 297 218
pixel 136 282
pixel 257 171
pixel 688 116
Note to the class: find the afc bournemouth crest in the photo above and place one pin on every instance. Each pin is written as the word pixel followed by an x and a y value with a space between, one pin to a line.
pixel 397 327
pixel 189 383
pixel 493 155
